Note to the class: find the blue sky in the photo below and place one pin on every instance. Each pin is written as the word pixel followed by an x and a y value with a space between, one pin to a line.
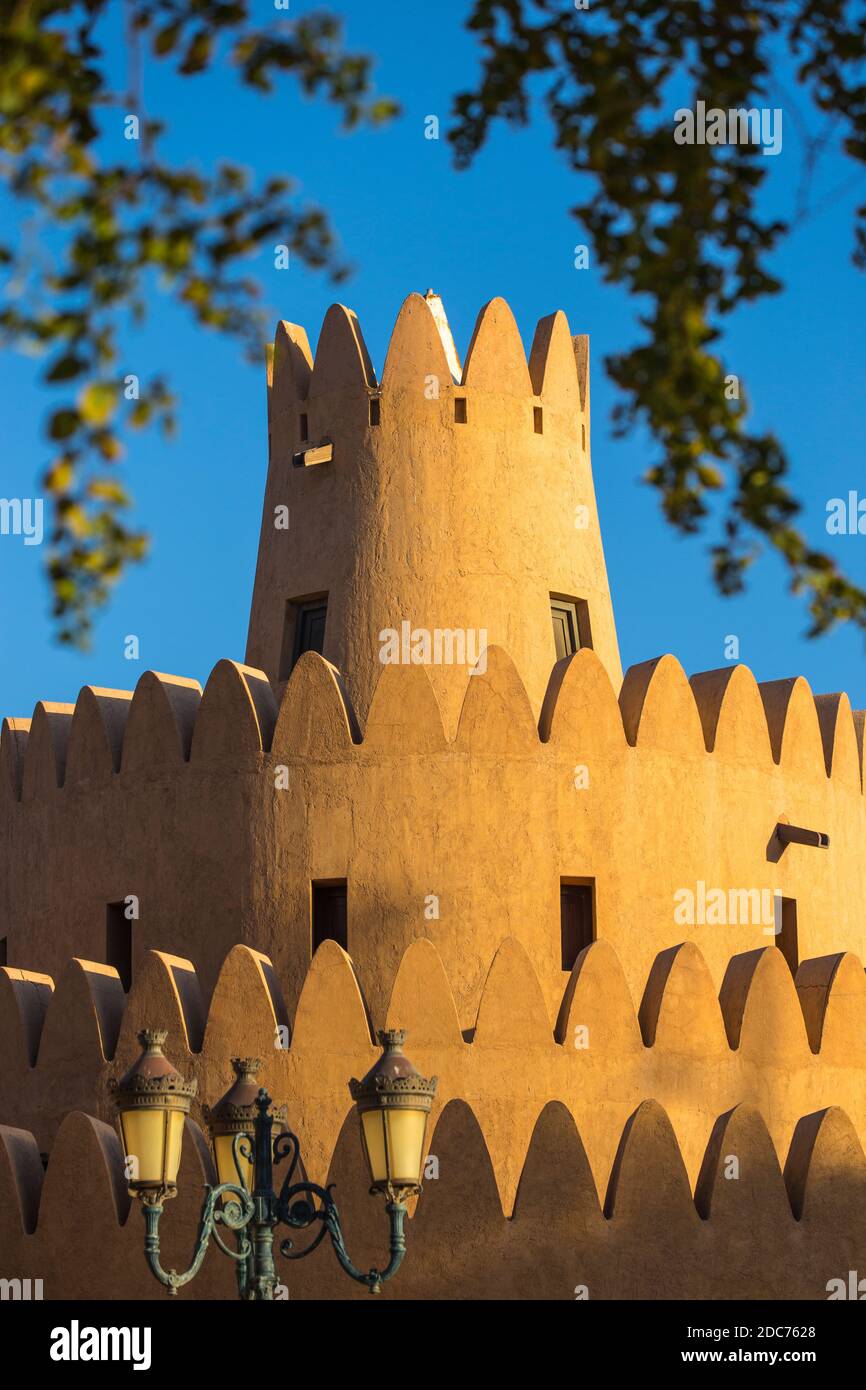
pixel 408 221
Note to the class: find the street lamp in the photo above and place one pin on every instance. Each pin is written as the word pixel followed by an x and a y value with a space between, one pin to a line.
pixel 153 1100
pixel 235 1115
pixel 393 1103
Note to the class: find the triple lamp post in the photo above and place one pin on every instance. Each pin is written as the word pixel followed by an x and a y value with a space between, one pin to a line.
pixel 249 1140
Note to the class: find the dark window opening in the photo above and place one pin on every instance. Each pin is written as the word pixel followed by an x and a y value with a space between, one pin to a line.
pixel 538 419
pixel 375 410
pixel 460 410
pixel 303 631
pixel 786 931
pixel 311 628
pixel 583 436
pixel 571 628
pixel 4 950
pixel 576 919
pixel 304 429
pixel 329 913
pixel 118 942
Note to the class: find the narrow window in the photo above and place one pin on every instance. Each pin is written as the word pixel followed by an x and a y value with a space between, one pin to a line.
pixel 583 437
pixel 460 410
pixel 538 418
pixel 576 918
pixel 4 950
pixel 329 913
pixel 571 628
pixel 118 942
pixel 303 631
pixel 786 931
pixel 311 628
pixel 304 430
pixel 375 410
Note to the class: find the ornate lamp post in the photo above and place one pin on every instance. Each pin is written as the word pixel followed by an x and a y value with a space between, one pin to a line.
pixel 152 1102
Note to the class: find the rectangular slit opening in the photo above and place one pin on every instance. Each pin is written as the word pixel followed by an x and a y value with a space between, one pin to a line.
pixel 329 913
pixel 303 428
pixel 460 410
pixel 375 410
pixel 786 931
pixel 303 631
pixel 538 419
pixel 571 626
pixel 118 942
pixel 576 917
pixel 4 950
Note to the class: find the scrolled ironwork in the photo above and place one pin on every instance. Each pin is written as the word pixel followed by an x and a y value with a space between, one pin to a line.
pixel 211 1215
pixel 253 1217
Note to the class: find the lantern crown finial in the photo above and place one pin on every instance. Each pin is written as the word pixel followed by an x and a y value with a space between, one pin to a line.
pixel 246 1066
pixel 393 1078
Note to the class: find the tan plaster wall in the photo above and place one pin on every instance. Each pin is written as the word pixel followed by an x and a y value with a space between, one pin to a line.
pixel 488 823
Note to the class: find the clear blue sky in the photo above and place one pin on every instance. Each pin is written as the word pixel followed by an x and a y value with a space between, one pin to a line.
pixel 408 221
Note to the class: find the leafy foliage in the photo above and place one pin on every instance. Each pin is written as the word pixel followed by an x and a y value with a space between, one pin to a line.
pixel 97 233
pixel 679 225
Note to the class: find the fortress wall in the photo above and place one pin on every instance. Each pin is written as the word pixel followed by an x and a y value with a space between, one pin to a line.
pixel 789 1052
pixel 626 1141
pixel 179 799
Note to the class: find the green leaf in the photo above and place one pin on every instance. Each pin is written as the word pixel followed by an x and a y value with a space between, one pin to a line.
pixel 63 423
pixel 66 367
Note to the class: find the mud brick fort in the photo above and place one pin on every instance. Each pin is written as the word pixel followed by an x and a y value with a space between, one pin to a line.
pixel 321 843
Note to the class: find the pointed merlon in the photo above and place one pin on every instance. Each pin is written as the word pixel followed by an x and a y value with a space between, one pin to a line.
pixel 14 734
pixel 47 747
pixel 496 361
pixel 552 365
pixel 291 368
pixel 581 357
pixel 342 361
pixel 418 349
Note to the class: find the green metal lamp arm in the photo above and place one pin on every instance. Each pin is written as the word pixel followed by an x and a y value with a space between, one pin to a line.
pixel 294 1209
pixel 235 1215
pixel 375 1278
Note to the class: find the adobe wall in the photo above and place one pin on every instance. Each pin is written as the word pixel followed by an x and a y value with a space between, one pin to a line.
pixel 607 1165
pixel 450 526
pixel 685 784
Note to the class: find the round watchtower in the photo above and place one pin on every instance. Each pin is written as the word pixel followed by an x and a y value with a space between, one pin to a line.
pixel 423 518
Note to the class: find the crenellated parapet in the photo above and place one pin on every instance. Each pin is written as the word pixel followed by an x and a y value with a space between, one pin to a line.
pixel 725 1131
pixel 216 810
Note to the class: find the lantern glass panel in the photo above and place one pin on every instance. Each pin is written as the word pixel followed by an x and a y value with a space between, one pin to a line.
pixel 394 1139
pixel 152 1140
pixel 225 1162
